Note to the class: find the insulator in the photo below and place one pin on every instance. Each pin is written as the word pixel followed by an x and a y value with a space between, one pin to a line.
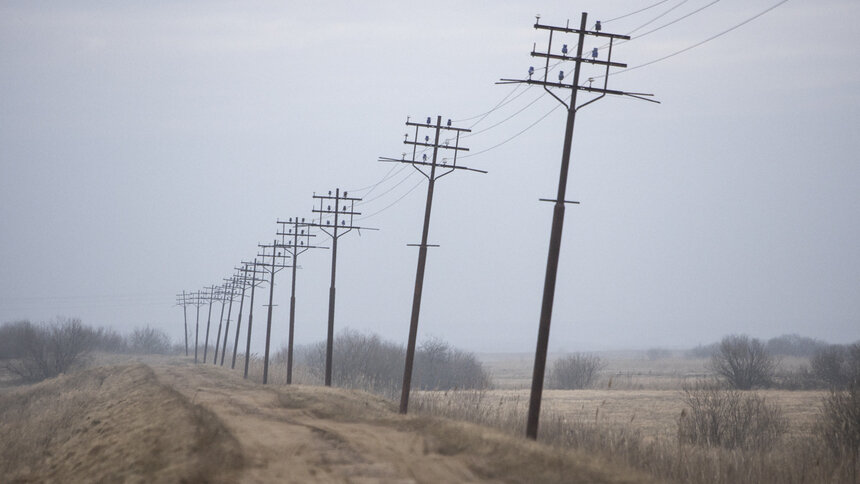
pixel 328 222
pixel 531 70
pixel 564 49
pixel 597 26
pixel 428 119
pixel 329 207
pixel 425 156
pixel 343 222
pixel 594 52
pixel 560 75
pixel 344 194
pixel 449 122
pixel 427 139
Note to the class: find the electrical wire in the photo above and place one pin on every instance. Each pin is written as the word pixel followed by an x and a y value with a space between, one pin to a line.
pixel 673 21
pixel 635 12
pixel 697 44
pixel 497 106
pixel 408 176
pixel 515 135
pixel 420 182
pixel 473 133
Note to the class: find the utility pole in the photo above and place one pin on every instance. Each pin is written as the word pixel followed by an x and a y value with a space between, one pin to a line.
pixel 197 302
pixel 181 299
pixel 245 282
pixel 423 166
pixel 254 283
pixel 560 201
pixel 295 243
pixel 233 281
pixel 335 226
pixel 220 321
pixel 273 268
pixel 212 290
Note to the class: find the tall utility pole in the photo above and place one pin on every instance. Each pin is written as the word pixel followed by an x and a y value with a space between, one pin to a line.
pixel 335 226
pixel 233 281
pixel 198 301
pixel 245 280
pixel 254 281
pixel 182 299
pixel 272 268
pixel 560 201
pixel 421 165
pixel 212 296
pixel 294 243
pixel 223 292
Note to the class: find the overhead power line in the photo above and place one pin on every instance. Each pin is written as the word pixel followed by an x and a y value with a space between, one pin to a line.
pixel 697 44
pixel 635 12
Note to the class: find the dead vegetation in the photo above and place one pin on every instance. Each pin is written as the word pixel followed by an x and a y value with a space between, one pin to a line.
pixel 111 424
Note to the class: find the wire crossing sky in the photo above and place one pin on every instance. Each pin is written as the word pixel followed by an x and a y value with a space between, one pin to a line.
pixel 146 149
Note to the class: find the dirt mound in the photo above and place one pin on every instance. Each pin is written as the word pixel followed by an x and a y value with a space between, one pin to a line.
pixel 112 424
pixel 169 420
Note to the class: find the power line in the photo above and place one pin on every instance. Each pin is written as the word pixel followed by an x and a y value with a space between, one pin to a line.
pixel 506 119
pixel 420 182
pixel 514 136
pixel 401 168
pixel 720 34
pixel 635 12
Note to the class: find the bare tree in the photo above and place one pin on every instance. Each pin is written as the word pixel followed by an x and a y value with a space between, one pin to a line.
pixel 837 365
pixel 717 416
pixel 743 362
pixel 48 349
pixel 575 371
pixel 149 340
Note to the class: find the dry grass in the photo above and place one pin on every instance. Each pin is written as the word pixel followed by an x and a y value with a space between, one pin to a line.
pixel 635 418
pixel 111 424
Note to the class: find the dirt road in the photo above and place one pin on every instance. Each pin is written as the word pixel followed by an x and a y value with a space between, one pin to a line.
pixel 173 421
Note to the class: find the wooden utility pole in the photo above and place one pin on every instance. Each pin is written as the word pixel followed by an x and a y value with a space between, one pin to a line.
pixel 421 164
pixel 272 268
pixel 335 223
pixel 295 239
pixel 254 281
pixel 233 281
pixel 560 201
pixel 182 299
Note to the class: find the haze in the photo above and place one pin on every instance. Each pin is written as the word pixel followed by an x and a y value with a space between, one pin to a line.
pixel 147 148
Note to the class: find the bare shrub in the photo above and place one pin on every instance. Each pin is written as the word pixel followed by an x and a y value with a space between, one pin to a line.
pixel 837 365
pixel 839 422
pixel 438 366
pixel 149 340
pixel 743 362
pixel 723 417
pixel 48 349
pixel 11 335
pixel 365 361
pixel 794 345
pixel 576 371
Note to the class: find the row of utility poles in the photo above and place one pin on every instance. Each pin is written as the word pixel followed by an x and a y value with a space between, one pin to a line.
pixel 336 211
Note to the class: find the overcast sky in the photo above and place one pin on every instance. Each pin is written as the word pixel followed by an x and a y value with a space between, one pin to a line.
pixel 146 148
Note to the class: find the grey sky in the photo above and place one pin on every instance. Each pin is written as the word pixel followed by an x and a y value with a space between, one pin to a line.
pixel 147 148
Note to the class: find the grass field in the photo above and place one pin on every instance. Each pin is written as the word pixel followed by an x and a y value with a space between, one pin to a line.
pixel 632 413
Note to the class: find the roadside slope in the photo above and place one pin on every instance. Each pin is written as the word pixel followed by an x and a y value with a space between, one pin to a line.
pixel 112 424
pixel 316 434
pixel 169 420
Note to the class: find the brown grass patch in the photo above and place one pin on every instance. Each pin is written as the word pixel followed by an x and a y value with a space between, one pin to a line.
pixel 111 424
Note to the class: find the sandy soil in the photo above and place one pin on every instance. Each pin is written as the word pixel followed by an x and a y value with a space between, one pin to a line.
pixel 173 421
